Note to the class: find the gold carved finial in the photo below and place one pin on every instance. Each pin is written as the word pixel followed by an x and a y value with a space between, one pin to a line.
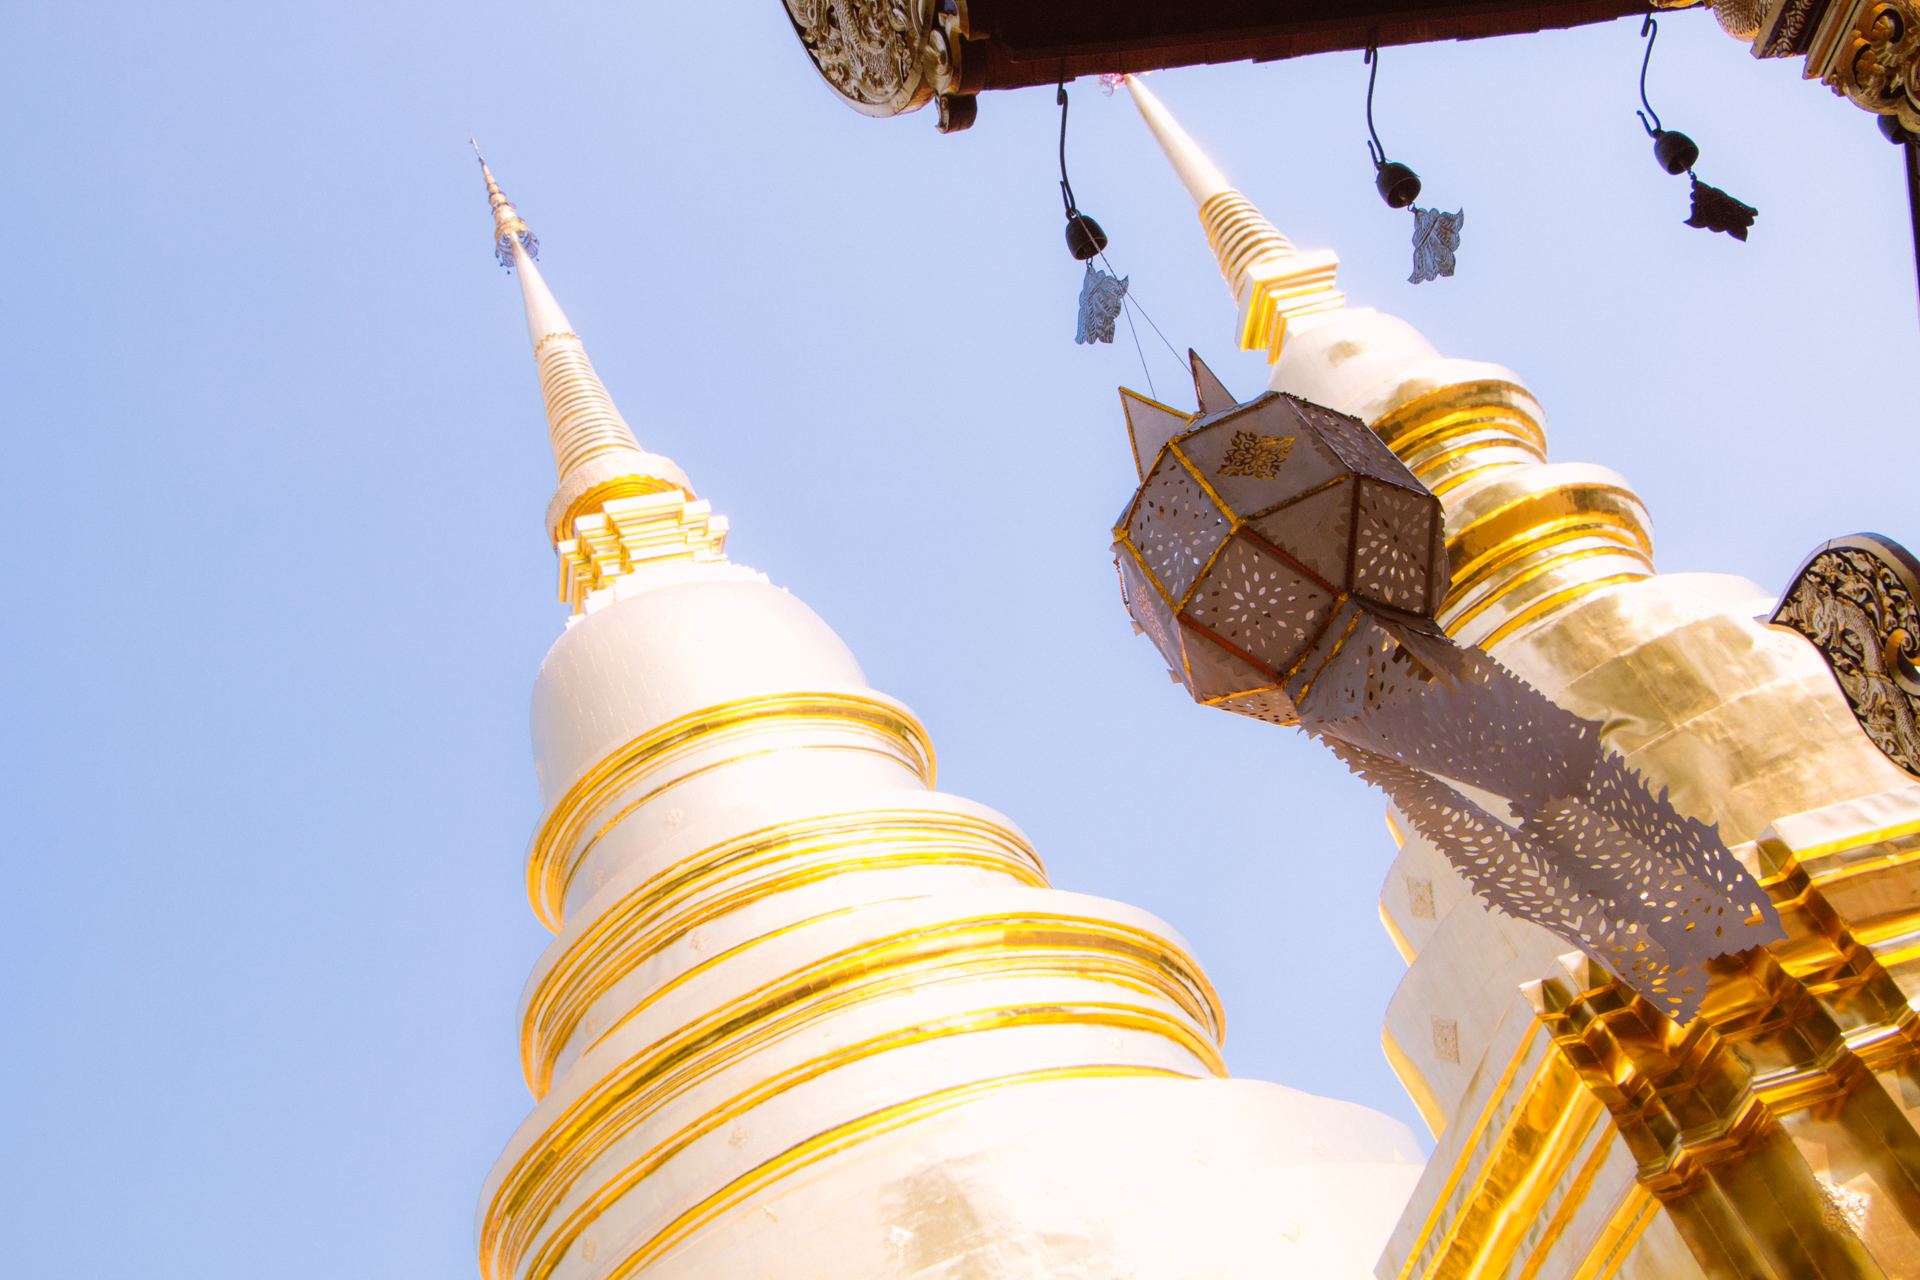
pixel 508 225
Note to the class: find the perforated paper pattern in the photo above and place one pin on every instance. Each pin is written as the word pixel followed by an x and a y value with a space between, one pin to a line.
pixel 1213 671
pixel 1176 526
pixel 1269 705
pixel 1355 443
pixel 1150 613
pixel 1586 850
pixel 1259 603
pixel 1393 546
pixel 1315 530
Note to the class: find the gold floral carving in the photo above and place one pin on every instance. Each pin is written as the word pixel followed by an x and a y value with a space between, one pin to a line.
pixel 884 57
pixel 1856 601
pixel 1865 50
pixel 1257 456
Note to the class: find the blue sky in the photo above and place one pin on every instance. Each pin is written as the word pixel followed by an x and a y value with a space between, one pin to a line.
pixel 274 469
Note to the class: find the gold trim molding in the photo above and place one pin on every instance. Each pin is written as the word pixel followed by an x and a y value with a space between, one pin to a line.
pixel 720 880
pixel 832 1141
pixel 544 1175
pixel 555 849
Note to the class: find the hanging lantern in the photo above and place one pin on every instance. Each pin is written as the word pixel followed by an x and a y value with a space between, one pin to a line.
pixel 1289 567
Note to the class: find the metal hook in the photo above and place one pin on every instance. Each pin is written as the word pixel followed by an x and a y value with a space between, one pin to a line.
pixel 1377 152
pixel 1398 185
pixel 1066 188
pixel 1084 236
pixel 1650 30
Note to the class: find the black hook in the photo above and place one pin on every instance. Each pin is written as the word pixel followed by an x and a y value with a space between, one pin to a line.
pixel 1649 31
pixel 1398 185
pixel 1084 236
pixel 1675 151
pixel 1375 151
pixel 1066 188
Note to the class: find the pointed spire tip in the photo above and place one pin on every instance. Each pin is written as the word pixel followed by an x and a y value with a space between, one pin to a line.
pixel 509 228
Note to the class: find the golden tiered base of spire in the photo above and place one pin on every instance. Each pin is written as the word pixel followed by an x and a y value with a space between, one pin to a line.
pixel 648 530
pixel 1274 283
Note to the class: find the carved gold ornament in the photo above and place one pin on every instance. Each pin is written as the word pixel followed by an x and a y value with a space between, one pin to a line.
pixel 1858 600
pixel 1868 51
pixel 885 57
pixel 1740 19
pixel 1255 456
pixel 1871 55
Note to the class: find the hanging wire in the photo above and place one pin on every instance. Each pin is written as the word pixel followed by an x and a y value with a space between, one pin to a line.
pixel 1650 31
pixel 1912 148
pixel 1143 311
pixel 1138 350
pixel 1374 149
pixel 1129 303
pixel 1171 349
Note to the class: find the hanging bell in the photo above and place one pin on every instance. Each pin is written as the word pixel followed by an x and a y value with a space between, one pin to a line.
pixel 1674 150
pixel 1084 236
pixel 1399 186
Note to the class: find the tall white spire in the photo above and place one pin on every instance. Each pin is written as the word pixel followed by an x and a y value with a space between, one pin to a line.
pixel 1276 285
pixel 595 453
pixel 1202 179
pixel 545 319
